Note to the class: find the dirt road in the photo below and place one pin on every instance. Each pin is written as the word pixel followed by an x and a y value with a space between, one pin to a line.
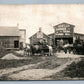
pixel 33 72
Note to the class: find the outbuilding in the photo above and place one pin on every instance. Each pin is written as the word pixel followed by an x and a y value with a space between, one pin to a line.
pixel 11 37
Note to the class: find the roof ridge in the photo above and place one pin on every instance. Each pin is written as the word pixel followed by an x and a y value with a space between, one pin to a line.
pixel 36 33
pixel 64 23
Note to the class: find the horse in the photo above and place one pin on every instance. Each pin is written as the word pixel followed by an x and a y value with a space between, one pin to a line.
pixel 50 50
pixel 27 50
pixel 68 47
pixel 39 49
pixel 42 49
pixel 36 49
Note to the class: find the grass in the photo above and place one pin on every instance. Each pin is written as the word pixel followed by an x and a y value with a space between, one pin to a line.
pixel 48 65
pixel 4 53
pixel 17 63
pixel 75 69
pixel 51 62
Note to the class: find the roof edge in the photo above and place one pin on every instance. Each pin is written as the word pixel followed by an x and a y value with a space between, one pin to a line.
pixel 64 23
pixel 36 33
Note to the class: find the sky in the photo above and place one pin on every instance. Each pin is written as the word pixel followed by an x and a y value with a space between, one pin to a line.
pixel 31 17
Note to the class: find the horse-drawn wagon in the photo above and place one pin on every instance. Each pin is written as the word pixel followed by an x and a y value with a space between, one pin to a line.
pixel 39 49
pixel 76 48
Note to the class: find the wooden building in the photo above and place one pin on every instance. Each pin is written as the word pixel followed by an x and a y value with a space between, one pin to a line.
pixel 22 38
pixel 12 37
pixel 65 32
pixel 40 37
pixel 78 35
pixel 9 37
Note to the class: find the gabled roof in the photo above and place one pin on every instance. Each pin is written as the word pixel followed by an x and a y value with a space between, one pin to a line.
pixel 9 31
pixel 32 35
pixel 64 24
pixel 79 34
pixel 36 34
pixel 51 34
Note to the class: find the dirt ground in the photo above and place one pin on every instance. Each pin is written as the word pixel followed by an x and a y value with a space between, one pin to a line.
pixel 47 68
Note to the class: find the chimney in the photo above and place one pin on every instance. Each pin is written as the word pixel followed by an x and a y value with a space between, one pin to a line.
pixel 40 29
pixel 18 25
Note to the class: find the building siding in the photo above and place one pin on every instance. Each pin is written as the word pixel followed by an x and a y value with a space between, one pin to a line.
pixel 22 37
pixel 34 39
pixel 8 41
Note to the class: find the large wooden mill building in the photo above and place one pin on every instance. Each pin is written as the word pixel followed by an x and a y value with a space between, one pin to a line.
pixel 65 32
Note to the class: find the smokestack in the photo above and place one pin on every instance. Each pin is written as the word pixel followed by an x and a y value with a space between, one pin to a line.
pixel 18 25
pixel 40 29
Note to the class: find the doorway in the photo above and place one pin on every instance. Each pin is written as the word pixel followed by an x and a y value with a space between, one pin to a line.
pixel 69 40
pixel 16 44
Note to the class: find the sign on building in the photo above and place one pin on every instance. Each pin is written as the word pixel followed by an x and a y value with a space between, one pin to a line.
pixel 64 30
pixel 39 35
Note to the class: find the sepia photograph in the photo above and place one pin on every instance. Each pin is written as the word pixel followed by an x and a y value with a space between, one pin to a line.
pixel 41 42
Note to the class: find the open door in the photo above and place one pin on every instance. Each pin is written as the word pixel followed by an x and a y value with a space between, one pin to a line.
pixel 69 40
pixel 16 44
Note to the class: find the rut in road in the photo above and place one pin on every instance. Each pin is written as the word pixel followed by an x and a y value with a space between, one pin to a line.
pixel 6 72
pixel 38 74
